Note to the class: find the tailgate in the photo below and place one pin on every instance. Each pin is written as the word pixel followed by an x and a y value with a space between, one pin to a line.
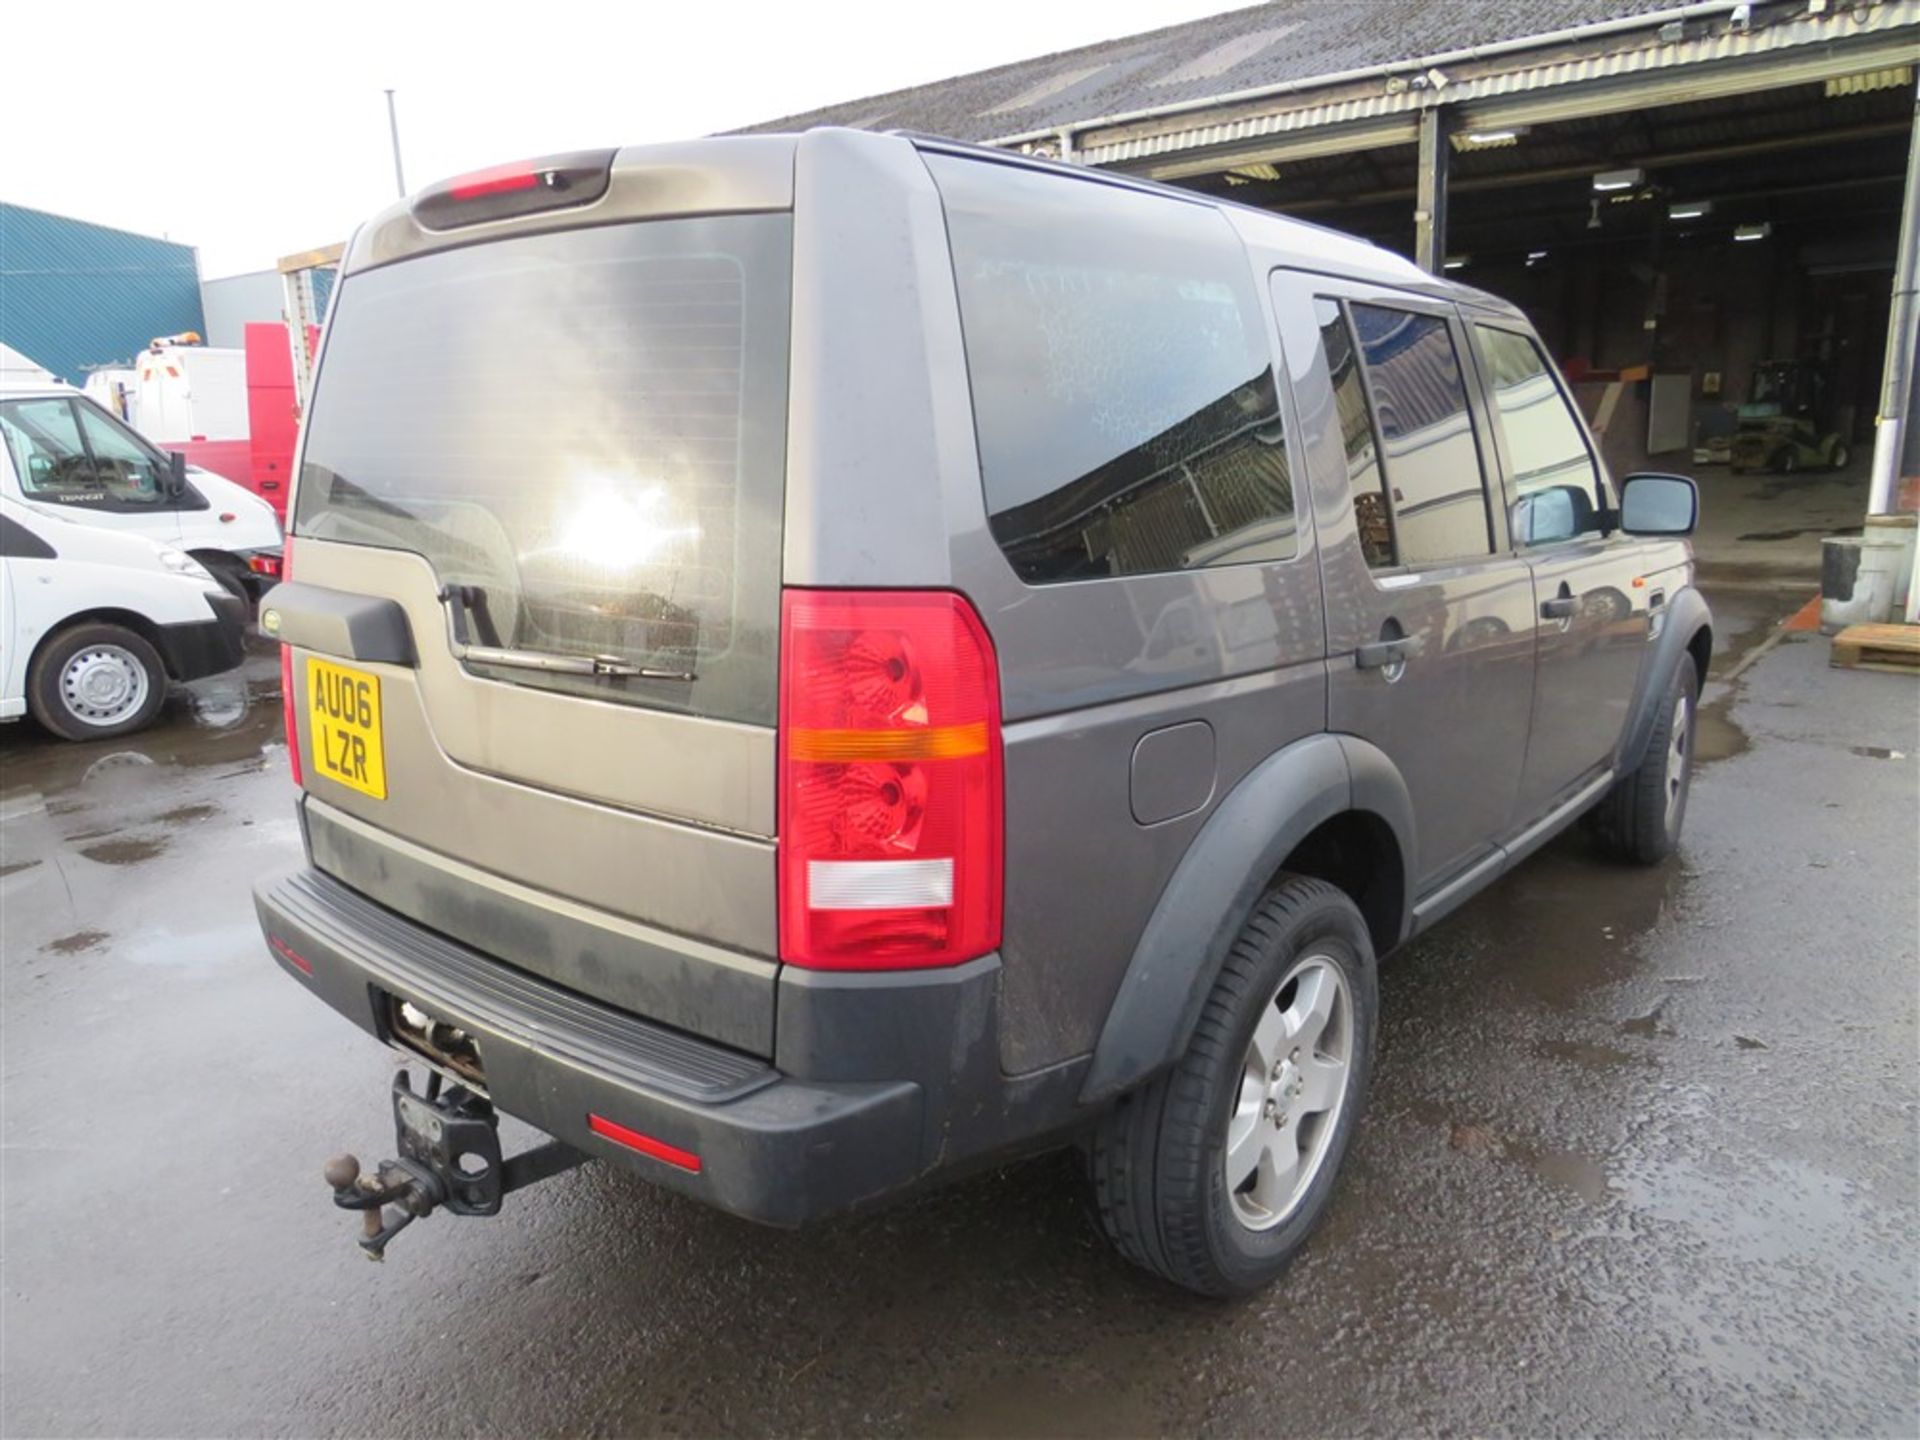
pixel 536 598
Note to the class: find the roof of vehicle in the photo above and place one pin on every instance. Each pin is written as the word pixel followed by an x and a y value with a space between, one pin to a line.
pixel 13 389
pixel 758 174
pixel 1310 246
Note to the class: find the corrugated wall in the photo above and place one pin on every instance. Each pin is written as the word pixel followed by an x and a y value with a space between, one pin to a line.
pixel 74 296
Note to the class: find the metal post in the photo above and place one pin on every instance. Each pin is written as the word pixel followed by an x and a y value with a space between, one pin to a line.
pixel 393 127
pixel 299 288
pixel 1903 334
pixel 1430 200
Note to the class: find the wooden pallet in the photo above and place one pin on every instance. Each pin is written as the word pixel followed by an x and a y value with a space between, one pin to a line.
pixel 1895 648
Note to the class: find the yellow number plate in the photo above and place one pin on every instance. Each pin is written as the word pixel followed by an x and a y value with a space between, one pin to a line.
pixel 343 710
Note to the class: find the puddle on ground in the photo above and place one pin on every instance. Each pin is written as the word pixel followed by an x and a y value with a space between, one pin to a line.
pixel 182 814
pixel 1715 736
pixel 1588 1054
pixel 80 940
pixel 124 852
pixel 1565 1170
pixel 1645 1026
pixel 14 867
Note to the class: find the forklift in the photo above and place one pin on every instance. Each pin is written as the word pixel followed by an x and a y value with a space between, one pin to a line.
pixel 1787 423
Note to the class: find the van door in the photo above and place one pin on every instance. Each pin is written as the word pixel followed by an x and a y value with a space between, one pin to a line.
pixel 1429 616
pixel 1592 600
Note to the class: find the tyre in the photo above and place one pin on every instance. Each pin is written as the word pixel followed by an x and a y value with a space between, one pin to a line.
pixel 96 681
pixel 1786 460
pixel 1639 819
pixel 1838 457
pixel 1214 1175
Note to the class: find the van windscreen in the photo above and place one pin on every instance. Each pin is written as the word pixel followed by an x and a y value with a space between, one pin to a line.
pixel 587 429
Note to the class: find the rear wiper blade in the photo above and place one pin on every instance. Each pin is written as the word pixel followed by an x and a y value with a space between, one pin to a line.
pixel 459 599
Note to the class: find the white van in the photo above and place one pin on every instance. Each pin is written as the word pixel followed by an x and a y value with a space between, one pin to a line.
pixel 94 623
pixel 64 454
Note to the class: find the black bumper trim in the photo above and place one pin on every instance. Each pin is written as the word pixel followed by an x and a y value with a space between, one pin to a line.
pixel 206 647
pixel 772 1148
pixel 450 979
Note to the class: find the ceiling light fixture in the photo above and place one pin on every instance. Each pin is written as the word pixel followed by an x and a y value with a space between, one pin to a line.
pixel 1754 232
pixel 1491 138
pixel 1609 180
pixel 1690 210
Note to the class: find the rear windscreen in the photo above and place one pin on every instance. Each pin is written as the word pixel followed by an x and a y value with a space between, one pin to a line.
pixel 586 427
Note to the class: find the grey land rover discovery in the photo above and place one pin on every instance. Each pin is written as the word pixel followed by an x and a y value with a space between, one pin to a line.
pixel 815 662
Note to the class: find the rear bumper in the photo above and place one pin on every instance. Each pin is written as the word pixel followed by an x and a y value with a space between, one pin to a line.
pixel 206 647
pixel 881 1080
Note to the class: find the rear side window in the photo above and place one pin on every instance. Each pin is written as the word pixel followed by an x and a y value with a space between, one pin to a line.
pixel 1555 482
pixel 1123 388
pixel 1426 434
pixel 588 427
pixel 1371 517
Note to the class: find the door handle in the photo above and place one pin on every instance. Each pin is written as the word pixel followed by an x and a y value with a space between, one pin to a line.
pixel 1561 607
pixel 269 484
pixel 1381 653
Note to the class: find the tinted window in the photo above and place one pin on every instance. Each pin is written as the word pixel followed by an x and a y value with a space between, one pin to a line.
pixel 1555 483
pixel 1426 434
pixel 1123 388
pixel 106 467
pixel 588 426
pixel 1371 517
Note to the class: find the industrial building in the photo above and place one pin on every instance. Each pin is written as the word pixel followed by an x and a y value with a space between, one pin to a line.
pixel 75 296
pixel 1676 193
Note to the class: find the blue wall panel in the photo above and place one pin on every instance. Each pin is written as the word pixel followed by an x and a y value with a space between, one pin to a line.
pixel 74 296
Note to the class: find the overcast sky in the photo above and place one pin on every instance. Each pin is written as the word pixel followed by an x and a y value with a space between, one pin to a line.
pixel 256 130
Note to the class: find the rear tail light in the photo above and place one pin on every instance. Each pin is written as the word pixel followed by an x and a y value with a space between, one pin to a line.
pixel 286 714
pixel 265 563
pixel 287 718
pixel 891 850
pixel 525 187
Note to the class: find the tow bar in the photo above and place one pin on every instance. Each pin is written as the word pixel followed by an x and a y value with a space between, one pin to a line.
pixel 449 1159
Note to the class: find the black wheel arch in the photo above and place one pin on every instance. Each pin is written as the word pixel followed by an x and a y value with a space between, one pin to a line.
pixel 1686 636
pixel 103 615
pixel 1329 806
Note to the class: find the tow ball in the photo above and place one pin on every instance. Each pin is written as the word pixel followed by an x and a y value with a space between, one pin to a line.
pixel 449 1143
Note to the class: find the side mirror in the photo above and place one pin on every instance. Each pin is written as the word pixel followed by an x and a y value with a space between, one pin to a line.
pixel 176 473
pixel 1659 505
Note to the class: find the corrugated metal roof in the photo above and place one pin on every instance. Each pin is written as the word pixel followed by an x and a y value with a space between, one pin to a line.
pixel 1317 37
pixel 75 295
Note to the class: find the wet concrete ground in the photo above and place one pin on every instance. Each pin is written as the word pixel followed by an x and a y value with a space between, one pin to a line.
pixel 1641 1158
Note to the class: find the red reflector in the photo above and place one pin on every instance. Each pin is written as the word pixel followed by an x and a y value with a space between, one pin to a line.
pixel 890 781
pixel 290 955
pixel 496 180
pixel 645 1144
pixel 287 716
pixel 264 564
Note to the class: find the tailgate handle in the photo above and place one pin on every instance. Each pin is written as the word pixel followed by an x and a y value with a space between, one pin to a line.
pixel 336 622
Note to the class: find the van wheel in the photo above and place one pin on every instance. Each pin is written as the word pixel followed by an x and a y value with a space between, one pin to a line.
pixel 96 681
pixel 1639 819
pixel 1214 1175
